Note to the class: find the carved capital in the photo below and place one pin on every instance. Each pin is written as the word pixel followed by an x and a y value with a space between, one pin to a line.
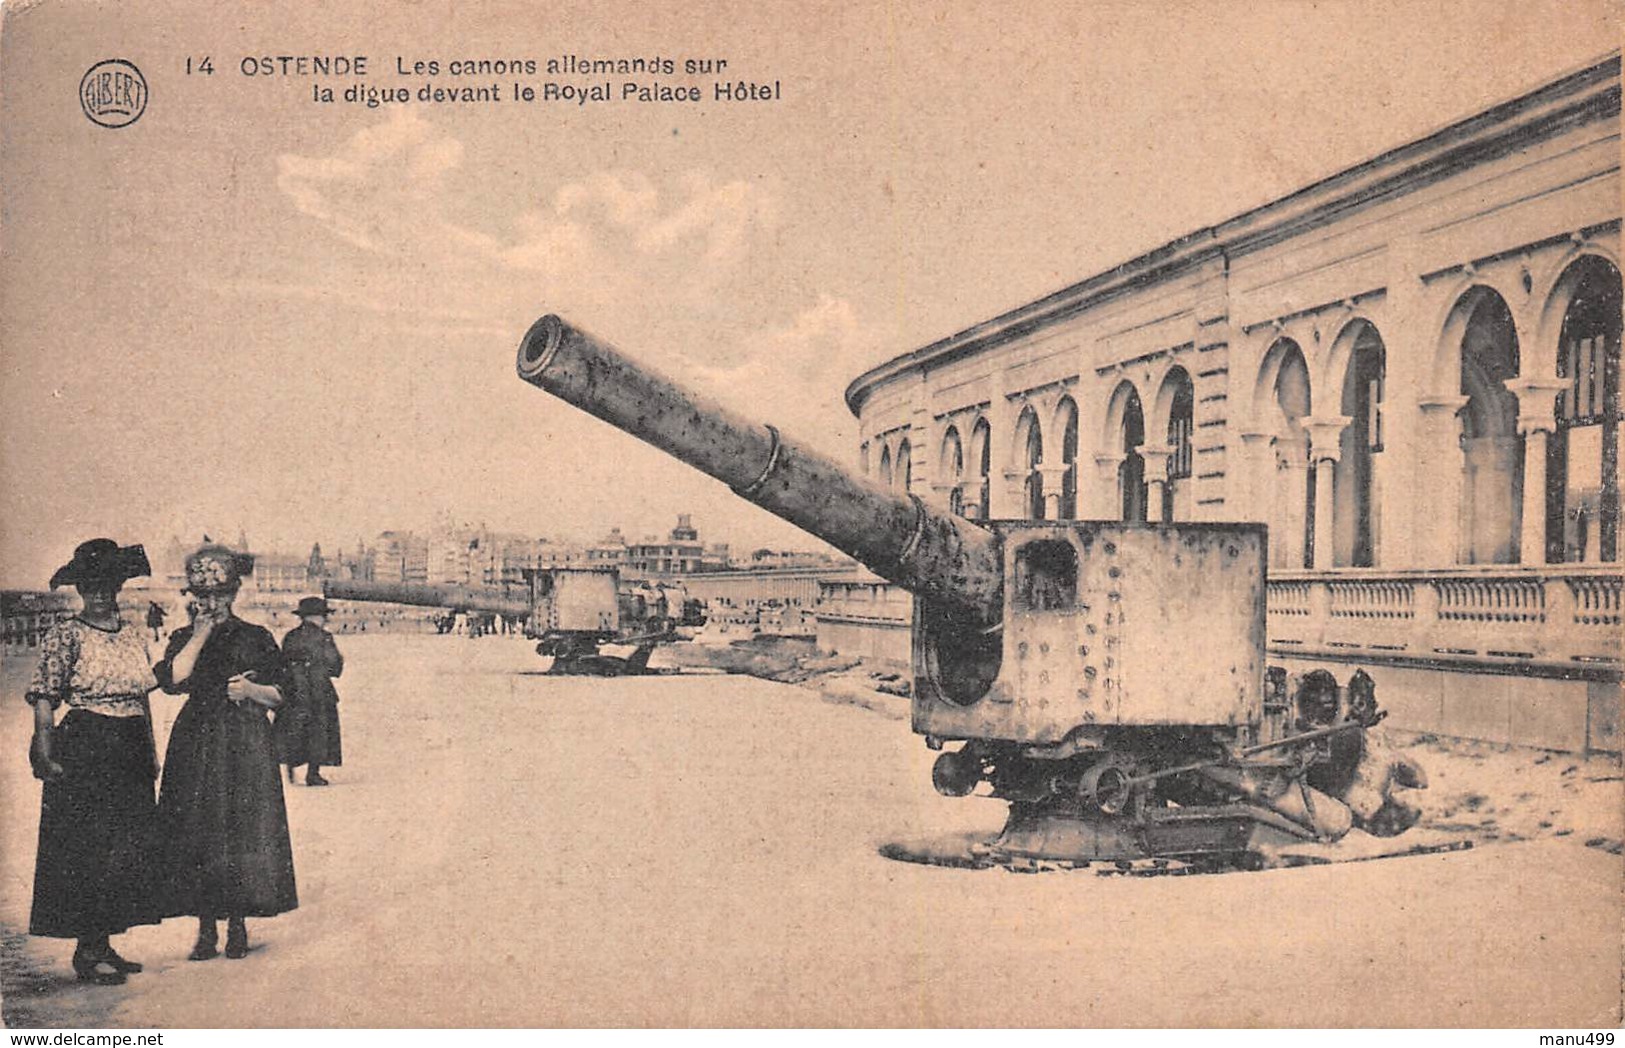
pixel 1156 462
pixel 1291 452
pixel 1537 402
pixel 1108 465
pixel 1444 405
pixel 1325 436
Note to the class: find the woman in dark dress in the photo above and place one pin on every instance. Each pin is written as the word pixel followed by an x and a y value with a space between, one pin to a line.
pixel 93 871
pixel 221 815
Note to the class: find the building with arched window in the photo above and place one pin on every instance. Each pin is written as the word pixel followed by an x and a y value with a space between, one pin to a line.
pixel 1409 370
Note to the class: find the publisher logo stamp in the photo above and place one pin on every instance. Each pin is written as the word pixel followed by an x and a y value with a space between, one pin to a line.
pixel 113 93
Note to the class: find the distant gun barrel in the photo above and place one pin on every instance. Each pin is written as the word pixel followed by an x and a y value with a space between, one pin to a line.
pixel 950 562
pixel 454 598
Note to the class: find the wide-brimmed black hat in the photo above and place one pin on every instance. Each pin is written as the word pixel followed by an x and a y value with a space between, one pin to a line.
pixel 309 606
pixel 102 560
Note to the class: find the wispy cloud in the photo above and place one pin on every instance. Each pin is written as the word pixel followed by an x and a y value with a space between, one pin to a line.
pixel 381 190
pixel 672 264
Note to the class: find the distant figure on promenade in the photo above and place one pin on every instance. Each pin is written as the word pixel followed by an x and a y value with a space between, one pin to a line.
pixel 155 620
pixel 93 874
pixel 307 728
pixel 221 814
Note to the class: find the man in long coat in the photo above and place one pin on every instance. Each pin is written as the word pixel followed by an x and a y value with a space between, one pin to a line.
pixel 307 727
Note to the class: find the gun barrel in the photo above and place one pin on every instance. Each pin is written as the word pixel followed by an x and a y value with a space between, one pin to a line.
pixel 459 598
pixel 949 561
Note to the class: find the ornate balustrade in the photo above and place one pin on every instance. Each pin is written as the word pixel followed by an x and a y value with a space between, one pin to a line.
pixel 1547 619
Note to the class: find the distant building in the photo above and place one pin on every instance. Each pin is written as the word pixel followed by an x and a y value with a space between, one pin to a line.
pixel 449 558
pixel 791 558
pixel 681 553
pixel 753 588
pixel 401 557
pixel 25 615
pixel 609 551
pixel 359 566
pixel 282 573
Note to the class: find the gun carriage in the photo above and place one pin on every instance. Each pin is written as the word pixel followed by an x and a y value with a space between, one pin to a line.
pixel 1108 679
pixel 585 620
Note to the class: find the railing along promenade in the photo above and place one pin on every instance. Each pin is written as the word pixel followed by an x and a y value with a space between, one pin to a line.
pixel 1548 620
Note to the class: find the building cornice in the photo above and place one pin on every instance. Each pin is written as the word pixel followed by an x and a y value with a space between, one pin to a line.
pixel 1583 96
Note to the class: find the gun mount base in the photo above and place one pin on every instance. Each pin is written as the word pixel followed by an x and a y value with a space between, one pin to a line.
pixel 1218 839
pixel 578 654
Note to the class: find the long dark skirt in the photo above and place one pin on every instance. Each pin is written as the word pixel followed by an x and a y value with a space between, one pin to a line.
pixel 222 818
pixel 94 871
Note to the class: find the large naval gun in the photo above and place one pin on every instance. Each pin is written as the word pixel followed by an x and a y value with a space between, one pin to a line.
pixel 1108 679
pixel 585 620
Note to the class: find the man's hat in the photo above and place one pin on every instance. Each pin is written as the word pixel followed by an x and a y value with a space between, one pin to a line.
pixel 309 606
pixel 102 560
pixel 217 569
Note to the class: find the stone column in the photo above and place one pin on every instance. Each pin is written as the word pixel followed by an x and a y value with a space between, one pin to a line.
pixel 1325 449
pixel 1156 480
pixel 1537 421
pixel 1054 478
pixel 1437 482
pixel 1105 495
pixel 1015 495
pixel 1494 532
pixel 1291 501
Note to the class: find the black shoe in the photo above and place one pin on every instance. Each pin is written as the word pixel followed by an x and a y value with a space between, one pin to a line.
pixel 111 957
pixel 236 939
pixel 290 773
pixel 314 779
pixel 96 970
pixel 207 945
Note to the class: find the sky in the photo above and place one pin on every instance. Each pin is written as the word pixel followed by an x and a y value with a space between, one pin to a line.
pixel 253 312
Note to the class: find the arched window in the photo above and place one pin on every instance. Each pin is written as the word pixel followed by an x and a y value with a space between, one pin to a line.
pixel 1582 475
pixel 1030 440
pixel 1491 446
pixel 953 462
pixel 1068 417
pixel 1131 474
pixel 1294 512
pixel 904 470
pixel 885 467
pixel 981 444
pixel 1355 493
pixel 1181 431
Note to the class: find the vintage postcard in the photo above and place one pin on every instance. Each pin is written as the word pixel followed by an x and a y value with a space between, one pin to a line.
pixel 647 515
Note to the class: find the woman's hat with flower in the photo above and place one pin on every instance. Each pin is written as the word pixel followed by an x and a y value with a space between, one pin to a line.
pixel 217 569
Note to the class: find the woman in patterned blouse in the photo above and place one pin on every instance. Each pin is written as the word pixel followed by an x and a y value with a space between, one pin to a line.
pixel 93 875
